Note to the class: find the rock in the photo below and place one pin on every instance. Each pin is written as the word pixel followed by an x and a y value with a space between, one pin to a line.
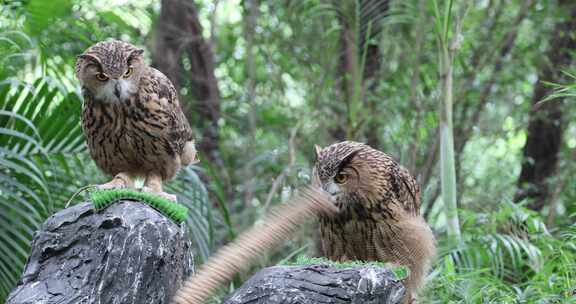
pixel 320 284
pixel 126 253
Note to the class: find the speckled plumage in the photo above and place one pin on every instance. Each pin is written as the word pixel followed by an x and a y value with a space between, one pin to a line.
pixel 379 217
pixel 132 119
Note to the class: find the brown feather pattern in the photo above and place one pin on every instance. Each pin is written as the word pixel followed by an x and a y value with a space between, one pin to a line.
pixel 144 132
pixel 379 211
pixel 141 135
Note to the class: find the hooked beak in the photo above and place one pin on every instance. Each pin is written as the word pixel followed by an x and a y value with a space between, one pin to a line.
pixel 117 89
pixel 333 189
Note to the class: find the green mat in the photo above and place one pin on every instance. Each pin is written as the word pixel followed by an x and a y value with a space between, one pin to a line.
pixel 401 272
pixel 104 198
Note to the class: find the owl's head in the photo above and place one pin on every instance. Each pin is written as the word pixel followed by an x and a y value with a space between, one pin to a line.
pixel 351 171
pixel 111 70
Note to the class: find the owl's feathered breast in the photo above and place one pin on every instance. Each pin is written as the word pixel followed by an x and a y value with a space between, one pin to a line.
pixel 141 133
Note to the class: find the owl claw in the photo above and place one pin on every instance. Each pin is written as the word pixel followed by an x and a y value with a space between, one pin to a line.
pixel 120 181
pixel 113 184
pixel 168 196
pixel 110 186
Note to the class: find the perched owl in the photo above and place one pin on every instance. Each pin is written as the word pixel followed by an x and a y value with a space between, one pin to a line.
pixel 131 117
pixel 379 217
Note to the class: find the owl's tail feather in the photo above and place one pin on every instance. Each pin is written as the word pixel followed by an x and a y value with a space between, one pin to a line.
pixel 277 226
pixel 189 154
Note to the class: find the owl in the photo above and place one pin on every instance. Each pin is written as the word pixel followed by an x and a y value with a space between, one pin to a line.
pixel 379 217
pixel 131 118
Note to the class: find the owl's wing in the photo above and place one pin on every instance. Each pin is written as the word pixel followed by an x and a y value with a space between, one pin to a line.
pixel 161 99
pixel 409 191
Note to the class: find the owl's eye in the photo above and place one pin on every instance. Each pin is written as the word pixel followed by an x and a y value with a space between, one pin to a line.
pixel 128 72
pixel 340 178
pixel 101 77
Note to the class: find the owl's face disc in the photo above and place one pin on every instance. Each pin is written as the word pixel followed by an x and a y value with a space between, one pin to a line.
pixel 338 170
pixel 110 70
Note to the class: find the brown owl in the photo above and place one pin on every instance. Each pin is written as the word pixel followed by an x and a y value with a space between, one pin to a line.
pixel 379 217
pixel 131 117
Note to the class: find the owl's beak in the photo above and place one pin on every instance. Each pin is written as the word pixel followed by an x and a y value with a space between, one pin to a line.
pixel 333 189
pixel 117 89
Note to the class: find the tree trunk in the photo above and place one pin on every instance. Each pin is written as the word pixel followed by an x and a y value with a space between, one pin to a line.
pixel 319 284
pixel 360 62
pixel 126 253
pixel 251 11
pixel 179 37
pixel 348 74
pixel 546 124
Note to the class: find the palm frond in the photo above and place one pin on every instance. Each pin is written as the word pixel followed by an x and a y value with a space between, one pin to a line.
pixel 39 125
pixel 200 221
pixel 23 192
pixel 504 257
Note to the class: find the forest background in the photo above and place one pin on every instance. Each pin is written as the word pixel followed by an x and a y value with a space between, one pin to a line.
pixel 476 98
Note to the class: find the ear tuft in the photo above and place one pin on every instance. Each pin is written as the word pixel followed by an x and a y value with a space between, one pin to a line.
pixel 137 52
pixel 347 159
pixel 317 151
pixel 88 58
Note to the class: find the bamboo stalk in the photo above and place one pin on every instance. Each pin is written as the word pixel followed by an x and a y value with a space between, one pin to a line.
pixel 447 164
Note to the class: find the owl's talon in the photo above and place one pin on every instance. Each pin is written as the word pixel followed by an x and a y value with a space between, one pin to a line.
pixel 120 181
pixel 110 186
pixel 168 196
pixel 162 194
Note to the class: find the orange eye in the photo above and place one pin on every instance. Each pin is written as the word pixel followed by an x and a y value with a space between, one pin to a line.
pixel 128 72
pixel 340 178
pixel 101 77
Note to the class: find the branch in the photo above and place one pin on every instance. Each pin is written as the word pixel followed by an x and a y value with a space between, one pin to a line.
pixel 291 159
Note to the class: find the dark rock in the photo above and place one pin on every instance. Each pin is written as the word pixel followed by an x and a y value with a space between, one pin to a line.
pixel 126 253
pixel 320 284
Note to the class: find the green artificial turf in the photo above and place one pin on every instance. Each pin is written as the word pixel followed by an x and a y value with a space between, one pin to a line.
pixel 104 198
pixel 401 272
